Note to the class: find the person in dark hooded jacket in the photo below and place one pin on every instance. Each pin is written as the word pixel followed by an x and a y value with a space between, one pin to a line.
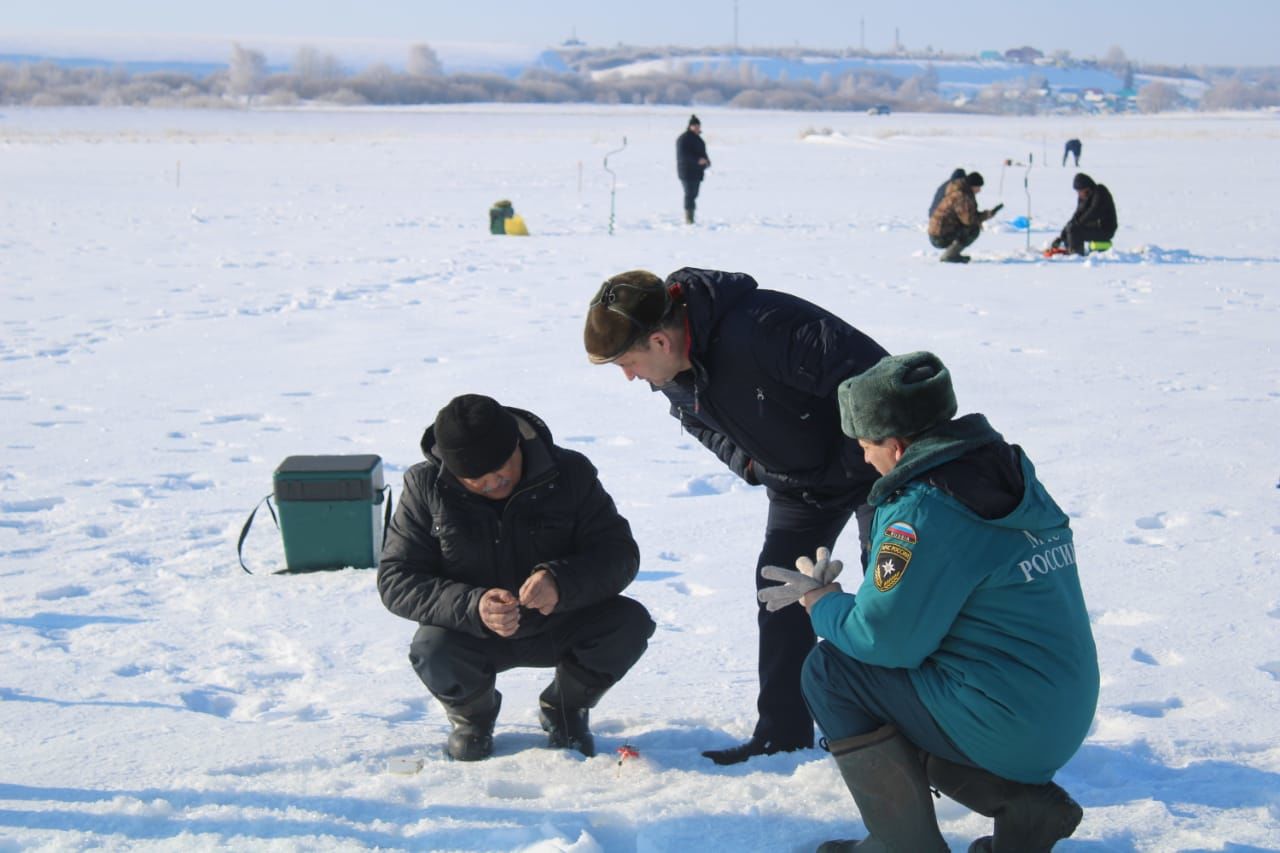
pixel 1094 219
pixel 691 164
pixel 1072 147
pixel 965 661
pixel 507 552
pixel 752 374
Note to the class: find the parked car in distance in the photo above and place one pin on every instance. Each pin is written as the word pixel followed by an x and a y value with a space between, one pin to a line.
pixel 878 110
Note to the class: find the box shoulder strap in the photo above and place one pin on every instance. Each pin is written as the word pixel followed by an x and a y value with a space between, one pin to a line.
pixel 386 518
pixel 244 532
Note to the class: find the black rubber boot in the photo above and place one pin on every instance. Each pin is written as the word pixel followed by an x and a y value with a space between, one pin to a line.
pixel 1028 818
pixel 567 728
pixel 472 735
pixel 951 255
pixel 750 749
pixel 564 712
pixel 885 774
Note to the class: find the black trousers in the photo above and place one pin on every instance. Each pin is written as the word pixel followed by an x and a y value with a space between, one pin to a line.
pixel 795 528
pixel 1075 236
pixel 591 649
pixel 965 235
pixel 690 193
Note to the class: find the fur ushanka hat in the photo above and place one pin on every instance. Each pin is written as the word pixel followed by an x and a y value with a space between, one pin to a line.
pixel 901 395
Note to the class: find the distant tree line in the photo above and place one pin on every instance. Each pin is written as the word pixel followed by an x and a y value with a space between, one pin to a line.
pixel 318 77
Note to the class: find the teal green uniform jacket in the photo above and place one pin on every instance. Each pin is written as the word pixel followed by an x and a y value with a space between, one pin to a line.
pixel 987 615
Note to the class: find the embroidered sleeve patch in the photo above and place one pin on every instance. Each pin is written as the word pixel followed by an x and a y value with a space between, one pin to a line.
pixel 902 531
pixel 891 563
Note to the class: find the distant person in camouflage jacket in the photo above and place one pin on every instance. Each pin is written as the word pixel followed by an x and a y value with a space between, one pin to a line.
pixel 956 222
pixel 941 192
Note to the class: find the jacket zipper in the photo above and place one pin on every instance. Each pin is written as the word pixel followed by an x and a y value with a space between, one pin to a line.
pixel 502 518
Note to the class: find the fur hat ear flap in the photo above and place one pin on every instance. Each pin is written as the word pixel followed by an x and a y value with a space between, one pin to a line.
pixel 624 310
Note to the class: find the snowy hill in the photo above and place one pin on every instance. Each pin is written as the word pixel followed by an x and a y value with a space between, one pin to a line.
pixel 954 77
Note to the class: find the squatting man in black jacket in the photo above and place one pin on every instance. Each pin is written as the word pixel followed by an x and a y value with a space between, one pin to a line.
pixel 752 374
pixel 1094 217
pixel 508 552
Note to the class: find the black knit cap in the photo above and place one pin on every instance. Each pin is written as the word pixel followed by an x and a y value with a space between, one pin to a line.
pixel 626 308
pixel 901 395
pixel 974 179
pixel 694 120
pixel 475 435
pixel 1082 182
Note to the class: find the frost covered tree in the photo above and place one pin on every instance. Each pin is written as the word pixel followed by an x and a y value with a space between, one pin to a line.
pixel 677 93
pixel 1158 97
pixel 313 65
pixel 248 67
pixel 1228 94
pixel 1115 58
pixel 423 62
pixel 929 81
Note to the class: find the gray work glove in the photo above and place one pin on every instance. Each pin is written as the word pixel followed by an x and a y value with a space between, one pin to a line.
pixel 795 585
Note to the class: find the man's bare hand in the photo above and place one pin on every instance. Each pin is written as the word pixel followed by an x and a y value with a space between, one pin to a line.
pixel 500 612
pixel 540 592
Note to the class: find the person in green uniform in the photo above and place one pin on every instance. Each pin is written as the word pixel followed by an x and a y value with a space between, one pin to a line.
pixel 965 660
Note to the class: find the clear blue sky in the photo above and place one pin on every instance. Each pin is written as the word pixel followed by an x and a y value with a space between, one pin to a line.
pixel 1234 32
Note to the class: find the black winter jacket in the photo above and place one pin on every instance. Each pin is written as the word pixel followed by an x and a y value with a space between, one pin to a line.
pixel 689 150
pixel 446 545
pixel 1097 213
pixel 762 388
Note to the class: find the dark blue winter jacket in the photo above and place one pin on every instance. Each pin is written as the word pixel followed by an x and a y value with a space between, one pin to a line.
pixel 690 152
pixel 762 388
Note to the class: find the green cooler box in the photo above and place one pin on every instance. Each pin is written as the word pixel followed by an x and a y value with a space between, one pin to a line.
pixel 330 513
pixel 499 213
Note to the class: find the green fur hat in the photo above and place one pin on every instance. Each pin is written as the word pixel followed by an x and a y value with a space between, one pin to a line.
pixel 902 395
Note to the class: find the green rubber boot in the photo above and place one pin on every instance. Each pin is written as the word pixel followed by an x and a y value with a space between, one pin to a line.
pixel 886 776
pixel 1028 818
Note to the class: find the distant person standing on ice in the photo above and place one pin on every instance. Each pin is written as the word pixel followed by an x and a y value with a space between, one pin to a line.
pixel 1073 148
pixel 691 164
pixel 965 661
pixel 752 375
pixel 956 221
pixel 1094 219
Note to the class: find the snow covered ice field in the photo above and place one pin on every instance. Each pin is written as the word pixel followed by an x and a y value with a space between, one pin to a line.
pixel 186 298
